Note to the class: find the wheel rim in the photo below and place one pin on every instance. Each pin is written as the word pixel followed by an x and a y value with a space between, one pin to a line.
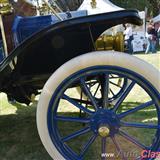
pixel 101 121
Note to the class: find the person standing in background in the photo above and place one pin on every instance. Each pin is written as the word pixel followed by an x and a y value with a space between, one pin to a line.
pixel 151 36
pixel 128 38
pixel 158 35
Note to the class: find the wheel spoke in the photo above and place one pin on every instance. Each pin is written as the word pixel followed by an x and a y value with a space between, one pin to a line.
pixel 96 90
pixel 112 92
pixel 105 90
pixel 131 111
pixel 76 134
pixel 131 139
pixel 87 145
pixel 82 101
pixel 115 77
pixel 118 148
pixel 104 148
pixel 115 84
pixel 91 84
pixel 123 96
pixel 111 76
pixel 77 104
pixel 140 125
pixel 89 94
pixel 70 149
pixel 72 119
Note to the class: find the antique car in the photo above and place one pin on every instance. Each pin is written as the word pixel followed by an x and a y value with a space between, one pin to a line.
pixel 61 62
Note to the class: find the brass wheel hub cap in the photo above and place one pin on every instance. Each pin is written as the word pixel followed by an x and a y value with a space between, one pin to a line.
pixel 103 131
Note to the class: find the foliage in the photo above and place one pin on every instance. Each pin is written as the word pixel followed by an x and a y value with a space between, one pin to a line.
pixel 153 6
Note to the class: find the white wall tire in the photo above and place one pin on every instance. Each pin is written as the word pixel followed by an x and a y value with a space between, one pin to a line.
pixel 87 60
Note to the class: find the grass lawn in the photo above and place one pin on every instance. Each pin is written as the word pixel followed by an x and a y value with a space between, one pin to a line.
pixel 19 138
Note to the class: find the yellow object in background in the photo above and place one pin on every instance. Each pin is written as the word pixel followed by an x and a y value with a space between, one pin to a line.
pixel 109 42
pixel 5 7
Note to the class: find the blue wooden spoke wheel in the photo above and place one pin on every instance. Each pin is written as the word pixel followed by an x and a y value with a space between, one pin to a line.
pixel 117 86
pixel 117 83
pixel 124 124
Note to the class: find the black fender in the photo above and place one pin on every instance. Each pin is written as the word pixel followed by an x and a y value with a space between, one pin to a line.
pixel 45 51
pixel 50 48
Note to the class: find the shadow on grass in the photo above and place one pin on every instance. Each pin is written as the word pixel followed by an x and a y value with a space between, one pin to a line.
pixel 19 138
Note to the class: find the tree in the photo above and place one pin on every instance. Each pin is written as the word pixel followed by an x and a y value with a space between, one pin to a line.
pixel 155 7
pixel 152 5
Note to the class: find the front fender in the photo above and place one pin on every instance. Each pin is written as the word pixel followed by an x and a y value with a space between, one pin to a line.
pixel 48 49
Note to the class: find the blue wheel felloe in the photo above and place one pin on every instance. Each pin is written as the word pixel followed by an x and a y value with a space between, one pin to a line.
pixel 102 119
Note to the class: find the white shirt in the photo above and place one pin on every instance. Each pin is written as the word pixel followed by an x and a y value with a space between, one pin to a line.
pixel 128 33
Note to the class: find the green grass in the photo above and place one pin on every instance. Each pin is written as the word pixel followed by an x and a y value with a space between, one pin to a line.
pixel 153 59
pixel 19 138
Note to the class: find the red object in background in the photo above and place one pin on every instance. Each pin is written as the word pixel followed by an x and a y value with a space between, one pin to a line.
pixel 21 8
pixel 7 22
pixel 157 25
